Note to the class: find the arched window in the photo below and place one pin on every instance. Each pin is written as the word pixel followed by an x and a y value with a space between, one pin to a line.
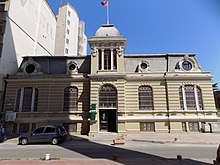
pixel 145 94
pixel 70 102
pixel 27 99
pixel 190 97
pixel 107 97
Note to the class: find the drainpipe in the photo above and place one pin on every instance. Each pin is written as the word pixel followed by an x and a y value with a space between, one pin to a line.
pixel 167 97
pixel 4 93
pixel 168 107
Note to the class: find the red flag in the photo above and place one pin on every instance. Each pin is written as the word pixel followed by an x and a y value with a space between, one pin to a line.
pixel 105 3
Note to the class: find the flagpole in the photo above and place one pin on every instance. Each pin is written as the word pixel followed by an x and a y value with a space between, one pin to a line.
pixel 107 13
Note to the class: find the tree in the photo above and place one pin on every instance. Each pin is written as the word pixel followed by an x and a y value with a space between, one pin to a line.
pixel 215 87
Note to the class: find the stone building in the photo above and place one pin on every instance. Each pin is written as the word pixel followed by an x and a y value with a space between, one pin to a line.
pixel 217 99
pixel 30 28
pixel 130 93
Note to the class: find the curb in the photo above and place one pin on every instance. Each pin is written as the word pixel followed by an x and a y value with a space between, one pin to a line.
pixel 174 142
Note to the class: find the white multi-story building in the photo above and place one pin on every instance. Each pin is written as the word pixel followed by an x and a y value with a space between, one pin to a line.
pixel 27 28
pixel 70 37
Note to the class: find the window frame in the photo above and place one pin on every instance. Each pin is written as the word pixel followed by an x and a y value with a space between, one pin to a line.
pixel 147 126
pixel 145 98
pixel 108 97
pixel 190 100
pixel 25 102
pixel 68 105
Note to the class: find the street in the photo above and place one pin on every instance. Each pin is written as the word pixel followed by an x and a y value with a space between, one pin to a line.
pixel 131 151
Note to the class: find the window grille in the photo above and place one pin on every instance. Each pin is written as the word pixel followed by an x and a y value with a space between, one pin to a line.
pixel 70 99
pixel 190 97
pixel 107 97
pixel 145 98
pixel 194 126
pixel 199 94
pixel 147 127
pixel 181 98
pixel 27 100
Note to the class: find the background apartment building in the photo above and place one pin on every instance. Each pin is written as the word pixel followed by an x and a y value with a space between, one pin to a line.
pixel 70 37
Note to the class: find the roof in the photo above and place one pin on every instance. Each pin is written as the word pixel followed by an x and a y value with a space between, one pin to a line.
pixel 107 30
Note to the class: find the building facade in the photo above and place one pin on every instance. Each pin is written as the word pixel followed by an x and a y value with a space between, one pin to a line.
pixel 27 28
pixel 129 93
pixel 70 37
pixel 217 99
pixel 30 28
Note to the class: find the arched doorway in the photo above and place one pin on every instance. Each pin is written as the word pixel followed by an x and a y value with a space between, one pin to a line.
pixel 108 108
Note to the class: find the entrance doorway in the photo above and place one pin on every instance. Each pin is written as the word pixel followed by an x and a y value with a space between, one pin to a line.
pixel 107 120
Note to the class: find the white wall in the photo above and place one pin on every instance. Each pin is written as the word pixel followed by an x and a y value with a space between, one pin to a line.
pixel 62 35
pixel 30 30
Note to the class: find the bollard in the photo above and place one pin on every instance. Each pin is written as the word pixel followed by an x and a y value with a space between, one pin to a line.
pixel 114 157
pixel 47 156
pixel 179 157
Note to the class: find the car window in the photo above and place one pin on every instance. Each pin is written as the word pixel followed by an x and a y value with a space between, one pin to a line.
pixel 62 129
pixel 50 130
pixel 38 130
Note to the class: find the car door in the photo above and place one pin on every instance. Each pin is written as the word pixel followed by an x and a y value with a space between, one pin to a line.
pixel 49 133
pixel 37 135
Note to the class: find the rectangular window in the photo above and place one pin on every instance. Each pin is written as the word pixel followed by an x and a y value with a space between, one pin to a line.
pixel 114 59
pixel 2 7
pixel 66 51
pixel 193 126
pixel 107 59
pixel 190 97
pixel 67 31
pixel 69 13
pixel 23 128
pixel 67 41
pixel 68 22
pixel 147 127
pixel 70 127
pixel 100 59
pixel 27 100
pixel 184 127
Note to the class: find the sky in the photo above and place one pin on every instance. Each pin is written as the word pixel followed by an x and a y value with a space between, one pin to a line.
pixel 159 26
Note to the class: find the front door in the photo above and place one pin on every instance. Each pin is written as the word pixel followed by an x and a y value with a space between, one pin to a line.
pixel 107 119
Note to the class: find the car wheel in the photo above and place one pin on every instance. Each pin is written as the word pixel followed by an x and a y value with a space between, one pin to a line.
pixel 24 141
pixel 54 141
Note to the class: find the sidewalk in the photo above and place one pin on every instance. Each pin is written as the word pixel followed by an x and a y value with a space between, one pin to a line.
pixel 179 138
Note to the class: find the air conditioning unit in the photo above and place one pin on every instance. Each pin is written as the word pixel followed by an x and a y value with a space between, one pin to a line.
pixel 10 116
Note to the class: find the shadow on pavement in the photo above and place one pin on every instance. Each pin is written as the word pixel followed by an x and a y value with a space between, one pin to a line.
pixel 121 155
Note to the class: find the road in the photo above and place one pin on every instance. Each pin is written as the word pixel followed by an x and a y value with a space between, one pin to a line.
pixel 104 150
